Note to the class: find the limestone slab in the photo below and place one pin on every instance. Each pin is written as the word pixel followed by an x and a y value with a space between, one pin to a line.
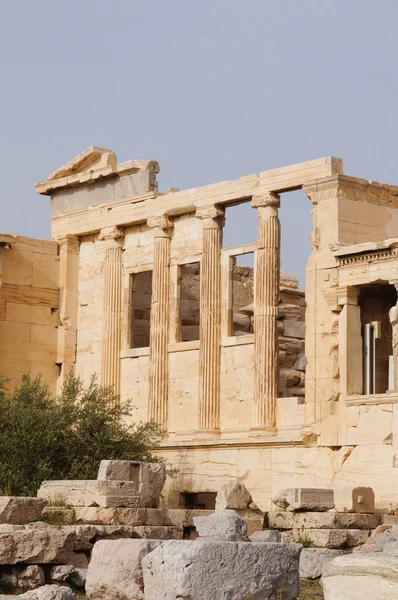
pixel 322 520
pixel 115 571
pixel 356 577
pixel 309 499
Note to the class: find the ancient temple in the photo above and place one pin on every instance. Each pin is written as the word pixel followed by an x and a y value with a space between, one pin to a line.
pixel 249 376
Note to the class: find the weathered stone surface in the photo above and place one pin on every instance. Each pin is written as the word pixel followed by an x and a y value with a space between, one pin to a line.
pixel 142 490
pixel 159 532
pixel 312 561
pixel 310 499
pixel 115 571
pixel 234 495
pixel 69 573
pixel 211 570
pixel 21 579
pixel 46 592
pixel 267 535
pixel 332 538
pixel 383 539
pixel 40 543
pixel 18 510
pixel 225 525
pixel 372 576
pixel 322 520
pixel 363 500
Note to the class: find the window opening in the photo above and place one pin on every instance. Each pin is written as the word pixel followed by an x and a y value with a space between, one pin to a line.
pixel 242 314
pixel 189 309
pixel 141 309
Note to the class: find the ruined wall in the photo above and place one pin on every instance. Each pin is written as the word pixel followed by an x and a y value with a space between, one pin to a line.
pixel 29 316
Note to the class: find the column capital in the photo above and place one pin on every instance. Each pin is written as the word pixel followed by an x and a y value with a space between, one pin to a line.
pixel 112 236
pixel 68 244
pixel 266 199
pixel 161 225
pixel 212 215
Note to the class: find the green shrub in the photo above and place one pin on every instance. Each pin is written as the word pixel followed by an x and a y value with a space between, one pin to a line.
pixel 42 437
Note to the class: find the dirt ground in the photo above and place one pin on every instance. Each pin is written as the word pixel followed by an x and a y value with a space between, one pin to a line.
pixel 310 590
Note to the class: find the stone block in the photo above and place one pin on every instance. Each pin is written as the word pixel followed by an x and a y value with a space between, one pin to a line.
pixel 266 535
pixel 119 470
pixel 19 578
pixel 309 499
pixel 294 329
pixel 115 571
pixel 233 495
pixel 312 561
pixel 380 539
pixel 46 592
pixel 210 570
pixel 322 520
pixel 225 525
pixel 332 538
pixel 159 532
pixel 18 510
pixel 363 500
pixel 360 576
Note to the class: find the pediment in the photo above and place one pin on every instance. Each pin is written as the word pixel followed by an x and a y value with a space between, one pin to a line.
pixel 93 158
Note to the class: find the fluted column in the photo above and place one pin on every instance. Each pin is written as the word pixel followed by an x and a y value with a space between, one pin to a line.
pixel 267 276
pixel 159 330
pixel 210 318
pixel 68 285
pixel 112 311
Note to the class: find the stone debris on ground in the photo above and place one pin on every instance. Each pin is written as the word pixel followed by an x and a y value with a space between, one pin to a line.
pixel 225 525
pixel 372 576
pixel 233 495
pixel 142 489
pixel 115 571
pixel 46 592
pixel 208 569
pixel 308 499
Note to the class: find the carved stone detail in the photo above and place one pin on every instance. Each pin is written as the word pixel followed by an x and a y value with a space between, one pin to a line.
pixel 69 244
pixel 161 226
pixel 265 313
pixel 110 233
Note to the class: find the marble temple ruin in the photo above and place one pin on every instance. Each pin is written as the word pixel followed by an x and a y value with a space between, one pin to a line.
pixel 250 378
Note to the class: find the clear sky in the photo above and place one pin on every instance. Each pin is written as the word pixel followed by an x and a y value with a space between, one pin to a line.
pixel 212 89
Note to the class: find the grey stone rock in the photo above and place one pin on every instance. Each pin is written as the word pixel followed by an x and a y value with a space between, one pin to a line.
pixel 115 571
pixel 309 499
pixel 211 570
pixel 267 535
pixel 234 495
pixel 312 561
pixel 225 525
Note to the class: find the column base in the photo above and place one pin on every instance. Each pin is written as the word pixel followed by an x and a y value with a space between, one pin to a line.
pixel 261 431
pixel 207 434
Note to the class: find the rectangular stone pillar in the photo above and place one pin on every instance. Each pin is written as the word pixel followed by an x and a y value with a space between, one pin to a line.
pixel 350 343
pixel 210 318
pixel 159 330
pixel 68 286
pixel 112 315
pixel 266 301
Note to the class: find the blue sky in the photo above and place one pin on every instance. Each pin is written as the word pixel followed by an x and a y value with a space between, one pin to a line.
pixel 213 90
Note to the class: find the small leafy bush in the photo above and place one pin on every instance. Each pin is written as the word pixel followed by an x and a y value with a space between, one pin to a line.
pixel 42 437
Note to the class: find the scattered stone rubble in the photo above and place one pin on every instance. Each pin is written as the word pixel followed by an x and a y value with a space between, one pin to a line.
pixel 306 516
pixel 370 572
pixel 119 546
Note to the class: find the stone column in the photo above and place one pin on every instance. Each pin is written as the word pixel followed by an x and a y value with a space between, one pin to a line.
pixel 68 286
pixel 112 315
pixel 393 318
pixel 159 330
pixel 210 318
pixel 266 301
pixel 350 342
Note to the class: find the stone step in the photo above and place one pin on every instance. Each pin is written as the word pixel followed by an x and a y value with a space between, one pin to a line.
pixel 327 538
pixel 322 520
